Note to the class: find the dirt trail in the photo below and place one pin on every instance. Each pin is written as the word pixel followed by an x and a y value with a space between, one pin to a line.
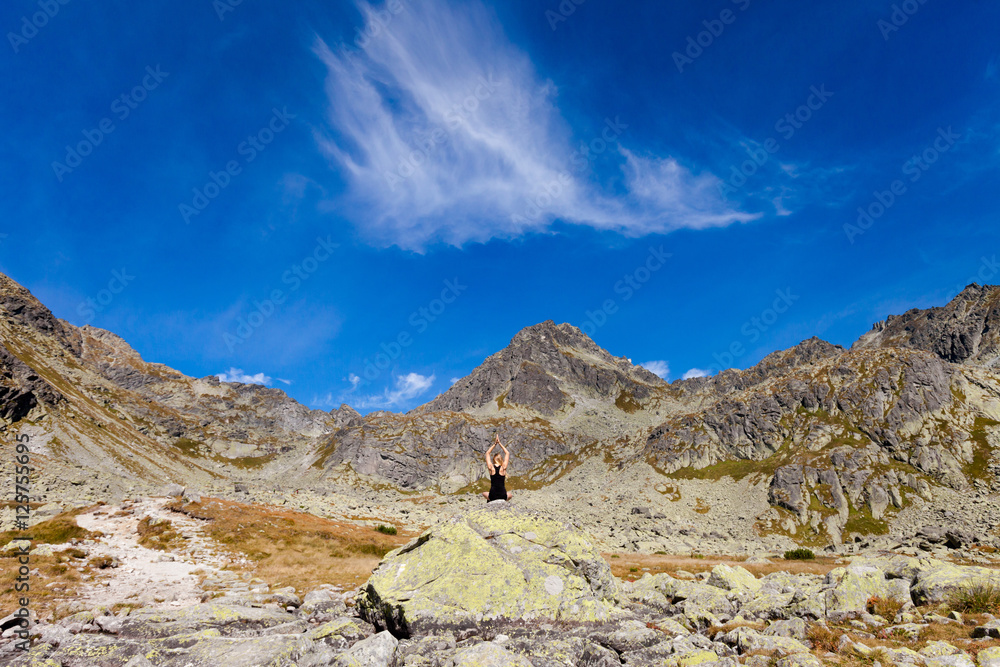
pixel 147 576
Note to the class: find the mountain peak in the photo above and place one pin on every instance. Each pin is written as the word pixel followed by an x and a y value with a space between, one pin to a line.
pixel 542 369
pixel 966 330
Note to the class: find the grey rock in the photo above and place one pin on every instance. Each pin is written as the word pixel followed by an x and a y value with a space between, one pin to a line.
pixel 376 651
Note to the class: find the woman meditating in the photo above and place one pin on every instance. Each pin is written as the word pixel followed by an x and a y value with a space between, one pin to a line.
pixel 497 468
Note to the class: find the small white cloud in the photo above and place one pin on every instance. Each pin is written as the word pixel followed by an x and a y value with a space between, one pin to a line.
pixel 454 380
pixel 237 375
pixel 284 381
pixel 696 373
pixel 660 368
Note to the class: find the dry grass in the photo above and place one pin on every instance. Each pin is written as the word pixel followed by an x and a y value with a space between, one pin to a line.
pixel 957 634
pixel 887 609
pixel 54 582
pixel 288 548
pixel 158 534
pixel 60 529
pixel 621 564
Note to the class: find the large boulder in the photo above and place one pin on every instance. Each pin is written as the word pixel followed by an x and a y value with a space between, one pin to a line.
pixel 938 584
pixel 855 584
pixel 496 564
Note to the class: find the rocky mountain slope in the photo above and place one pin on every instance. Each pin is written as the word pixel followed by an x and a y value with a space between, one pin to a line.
pixel 821 441
pixel 101 418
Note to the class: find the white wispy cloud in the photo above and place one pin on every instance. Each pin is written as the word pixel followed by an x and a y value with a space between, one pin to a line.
pixel 404 389
pixel 444 132
pixel 237 375
pixel 660 368
pixel 696 373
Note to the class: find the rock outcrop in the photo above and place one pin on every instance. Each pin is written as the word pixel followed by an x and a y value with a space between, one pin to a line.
pixel 498 565
pixel 965 331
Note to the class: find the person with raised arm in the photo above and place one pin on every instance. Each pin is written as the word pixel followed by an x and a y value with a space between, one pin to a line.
pixel 497 469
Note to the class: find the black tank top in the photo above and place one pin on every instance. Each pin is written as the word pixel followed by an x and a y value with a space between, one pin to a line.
pixel 498 490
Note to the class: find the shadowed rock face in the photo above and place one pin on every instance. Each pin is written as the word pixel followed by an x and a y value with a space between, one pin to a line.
pixel 499 564
pixel 21 389
pixel 965 331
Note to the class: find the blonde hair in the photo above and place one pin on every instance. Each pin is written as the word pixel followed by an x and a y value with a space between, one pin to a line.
pixel 497 460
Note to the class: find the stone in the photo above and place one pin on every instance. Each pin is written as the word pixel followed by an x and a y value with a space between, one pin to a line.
pixel 854 585
pixel 488 654
pixel 934 585
pixel 793 627
pixel 990 629
pixel 376 651
pixel 171 490
pixel 989 657
pixel 498 563
pixel 955 660
pixel 733 579
pixel 149 623
pixel 799 660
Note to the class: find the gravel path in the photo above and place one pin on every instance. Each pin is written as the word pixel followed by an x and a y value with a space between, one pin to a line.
pixel 147 576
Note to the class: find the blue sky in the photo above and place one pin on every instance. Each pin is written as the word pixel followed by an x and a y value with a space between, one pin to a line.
pixel 285 194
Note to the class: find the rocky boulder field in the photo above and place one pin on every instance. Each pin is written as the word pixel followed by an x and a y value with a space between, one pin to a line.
pixel 502 585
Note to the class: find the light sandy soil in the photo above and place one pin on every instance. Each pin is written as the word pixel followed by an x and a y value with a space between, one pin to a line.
pixel 147 577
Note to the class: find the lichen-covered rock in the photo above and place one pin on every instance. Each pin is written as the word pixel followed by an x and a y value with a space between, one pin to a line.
pixel 856 584
pixel 938 584
pixel 990 629
pixel 498 563
pixel 376 651
pixel 146 623
pixel 954 660
pixel 489 654
pixel 799 660
pixel 733 579
pixel 989 657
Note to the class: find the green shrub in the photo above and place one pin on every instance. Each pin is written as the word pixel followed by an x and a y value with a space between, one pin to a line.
pixel 799 554
pixel 387 530
pixel 979 597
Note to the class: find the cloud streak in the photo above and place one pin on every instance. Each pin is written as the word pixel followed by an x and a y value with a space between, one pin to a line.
pixel 444 132
pixel 237 375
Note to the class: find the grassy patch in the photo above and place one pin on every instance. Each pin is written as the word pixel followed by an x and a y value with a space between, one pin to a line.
pixel 700 507
pixel 387 530
pixel 188 447
pixel 883 607
pixel 980 597
pixel 981 450
pixel 291 548
pixel 60 529
pixel 627 403
pixel 158 534
pixel 861 521
pixel 800 554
